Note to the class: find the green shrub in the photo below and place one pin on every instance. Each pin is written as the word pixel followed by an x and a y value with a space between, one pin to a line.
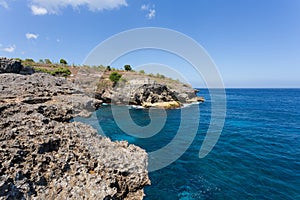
pixel 63 71
pixel 60 71
pixel 115 77
pixel 29 60
pixel 43 70
pixel 48 61
pixel 63 61
pixel 127 68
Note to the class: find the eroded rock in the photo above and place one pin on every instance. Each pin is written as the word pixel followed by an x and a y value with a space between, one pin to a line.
pixel 44 156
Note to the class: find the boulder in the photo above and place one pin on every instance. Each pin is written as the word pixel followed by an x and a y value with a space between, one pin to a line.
pixel 14 66
pixel 10 66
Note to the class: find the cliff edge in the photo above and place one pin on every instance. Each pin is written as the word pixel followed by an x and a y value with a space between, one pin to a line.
pixel 44 156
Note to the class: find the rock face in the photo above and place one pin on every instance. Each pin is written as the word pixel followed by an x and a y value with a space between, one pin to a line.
pixel 13 66
pixel 10 66
pixel 44 156
pixel 148 95
pixel 134 89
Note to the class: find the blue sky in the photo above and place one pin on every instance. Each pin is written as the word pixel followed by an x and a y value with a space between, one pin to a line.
pixel 253 43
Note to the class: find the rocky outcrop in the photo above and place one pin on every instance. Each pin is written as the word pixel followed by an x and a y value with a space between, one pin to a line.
pixel 13 66
pixel 44 156
pixel 148 95
pixel 141 95
pixel 134 88
pixel 10 66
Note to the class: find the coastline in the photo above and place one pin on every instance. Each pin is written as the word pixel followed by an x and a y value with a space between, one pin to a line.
pixel 43 155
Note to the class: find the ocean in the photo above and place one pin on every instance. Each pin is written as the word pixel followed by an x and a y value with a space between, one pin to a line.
pixel 256 157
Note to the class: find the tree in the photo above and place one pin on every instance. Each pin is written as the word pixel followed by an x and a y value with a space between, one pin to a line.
pixel 63 61
pixel 127 67
pixel 142 72
pixel 47 61
pixel 41 61
pixel 115 77
pixel 108 68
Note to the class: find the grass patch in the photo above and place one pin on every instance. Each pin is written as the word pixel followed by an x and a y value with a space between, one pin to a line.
pixel 60 71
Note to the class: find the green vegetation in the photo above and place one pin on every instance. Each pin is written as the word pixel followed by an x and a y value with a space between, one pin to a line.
pixel 18 59
pixel 63 61
pixel 115 77
pixel 127 68
pixel 142 72
pixel 160 76
pixel 48 61
pixel 29 60
pixel 108 68
pixel 61 71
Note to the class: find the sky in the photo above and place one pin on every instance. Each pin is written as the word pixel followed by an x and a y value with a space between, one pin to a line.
pixel 253 43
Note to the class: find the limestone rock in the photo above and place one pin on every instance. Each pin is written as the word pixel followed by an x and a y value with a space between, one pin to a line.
pixel 44 156
pixel 13 66
pixel 10 66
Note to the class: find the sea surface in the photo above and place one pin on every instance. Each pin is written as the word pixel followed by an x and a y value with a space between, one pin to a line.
pixel 256 157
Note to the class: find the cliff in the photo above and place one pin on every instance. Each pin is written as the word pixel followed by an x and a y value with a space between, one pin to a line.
pixel 45 156
pixel 135 88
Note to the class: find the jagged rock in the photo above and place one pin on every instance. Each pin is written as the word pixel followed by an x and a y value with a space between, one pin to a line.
pixel 44 156
pixel 13 66
pixel 152 94
pixel 134 89
pixel 10 66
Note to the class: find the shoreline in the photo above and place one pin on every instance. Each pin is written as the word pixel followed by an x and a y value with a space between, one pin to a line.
pixel 37 131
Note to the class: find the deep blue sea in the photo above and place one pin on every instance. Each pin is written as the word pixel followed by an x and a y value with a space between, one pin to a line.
pixel 256 157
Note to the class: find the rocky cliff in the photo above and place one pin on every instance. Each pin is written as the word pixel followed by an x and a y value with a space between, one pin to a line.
pixel 44 156
pixel 14 66
pixel 136 89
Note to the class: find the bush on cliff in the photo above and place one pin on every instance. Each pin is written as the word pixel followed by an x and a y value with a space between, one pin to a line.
pixel 48 61
pixel 29 60
pixel 63 61
pixel 115 77
pixel 127 68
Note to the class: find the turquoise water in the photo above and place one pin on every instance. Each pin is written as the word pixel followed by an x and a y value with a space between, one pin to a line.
pixel 256 157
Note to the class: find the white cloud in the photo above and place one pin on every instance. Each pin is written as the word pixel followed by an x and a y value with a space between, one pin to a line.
pixel 3 4
pixel 42 7
pixel 145 7
pixel 151 12
pixel 36 10
pixel 10 49
pixel 31 36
